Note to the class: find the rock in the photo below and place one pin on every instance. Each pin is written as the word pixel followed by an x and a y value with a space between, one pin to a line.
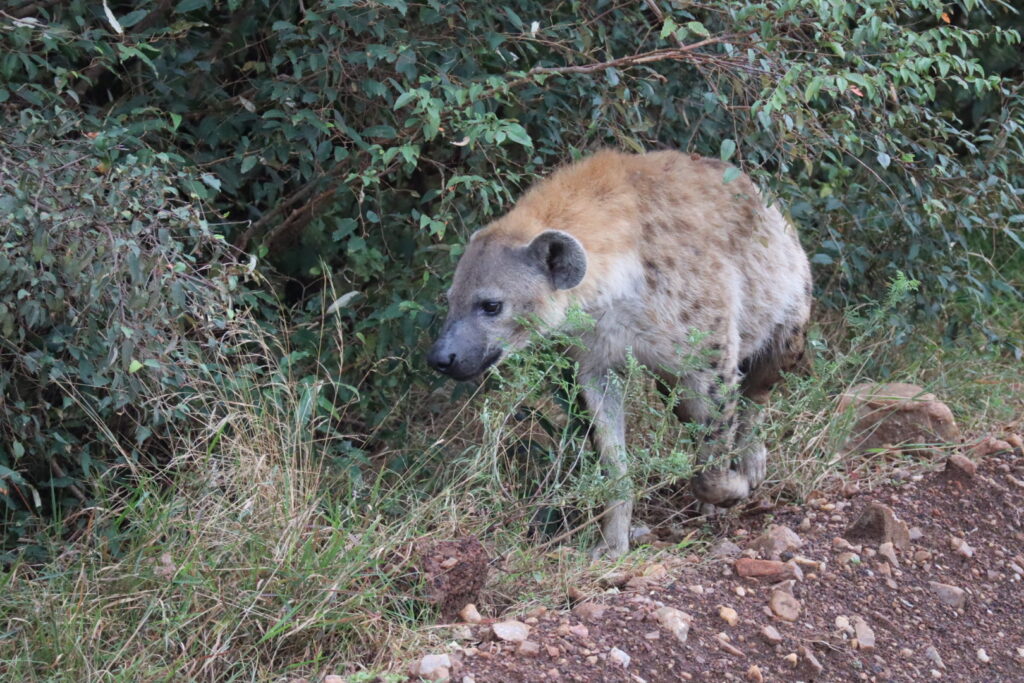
pixel 511 631
pixel 754 674
pixel 468 679
pixel 1015 440
pixel 614 579
pixel 589 611
pixel 878 524
pixel 865 634
pixel 933 656
pixel 675 621
pixel 792 659
pixel 726 646
pixel 949 595
pixel 843 624
pixel 619 657
pixel 553 651
pixel 922 555
pixel 778 539
pixel 728 615
pixel 915 533
pixel 724 549
pixel 771 635
pixel 772 570
pixel 888 551
pixel 580 631
pixel 887 415
pixel 847 558
pixel 809 657
pixel 784 605
pixel 431 667
pixel 960 547
pixel 335 679
pixel 470 614
pixel 960 466
pixel 988 446
pixel 983 656
pixel 529 648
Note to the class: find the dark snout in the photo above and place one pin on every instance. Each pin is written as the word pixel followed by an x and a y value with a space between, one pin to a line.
pixel 457 354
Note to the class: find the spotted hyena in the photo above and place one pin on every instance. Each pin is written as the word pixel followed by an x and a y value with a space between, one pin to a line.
pixel 670 262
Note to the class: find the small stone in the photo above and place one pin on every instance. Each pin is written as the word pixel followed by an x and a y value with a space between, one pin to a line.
pixel 915 533
pixel 726 646
pixel 772 570
pixel 792 659
pixel 740 591
pixel 848 558
pixel 579 630
pixel 614 579
pixel 553 651
pixel 468 679
pixel 809 657
pixel 619 657
pixel 778 539
pixel 696 590
pixel 511 631
pixel 988 446
pixel 771 635
pixel 843 624
pixel 554 674
pixel 865 635
pixel 983 656
pixel 655 572
pixel 933 656
pixel 878 524
pixel 1015 440
pixel 589 611
pixel 961 466
pixel 936 673
pixel 336 679
pixel 431 667
pixel 784 605
pixel 728 615
pixel 888 551
pixel 922 555
pixel 470 614
pixel 804 525
pixel 675 621
pixel 949 595
pixel 529 648
pixel 960 547
pixel 724 549
pixel 754 674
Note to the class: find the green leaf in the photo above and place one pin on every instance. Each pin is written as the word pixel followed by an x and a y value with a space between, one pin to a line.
pixel 727 149
pixel 189 5
pixel 731 174
pixel 884 160
pixel 134 367
pixel 17 449
pixel 669 27
pixel 248 163
pixel 697 28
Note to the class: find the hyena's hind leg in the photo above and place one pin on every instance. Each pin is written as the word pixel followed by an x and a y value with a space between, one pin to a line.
pixel 760 372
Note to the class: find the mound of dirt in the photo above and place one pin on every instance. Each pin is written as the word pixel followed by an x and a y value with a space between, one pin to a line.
pixel 945 601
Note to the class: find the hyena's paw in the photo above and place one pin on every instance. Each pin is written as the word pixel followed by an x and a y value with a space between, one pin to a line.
pixel 722 488
pixel 753 464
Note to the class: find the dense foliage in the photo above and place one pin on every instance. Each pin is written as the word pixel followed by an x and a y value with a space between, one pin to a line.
pixel 351 145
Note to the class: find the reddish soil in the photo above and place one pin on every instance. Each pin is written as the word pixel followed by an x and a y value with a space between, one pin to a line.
pixel 982 640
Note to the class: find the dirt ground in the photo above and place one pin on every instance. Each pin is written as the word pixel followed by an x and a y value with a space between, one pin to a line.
pixel 934 591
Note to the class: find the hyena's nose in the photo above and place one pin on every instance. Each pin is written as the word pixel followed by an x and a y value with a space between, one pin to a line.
pixel 441 360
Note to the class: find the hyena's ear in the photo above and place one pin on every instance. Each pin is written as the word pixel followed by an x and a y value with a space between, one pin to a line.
pixel 561 256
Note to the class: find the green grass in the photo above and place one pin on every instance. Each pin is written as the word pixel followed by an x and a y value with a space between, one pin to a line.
pixel 252 557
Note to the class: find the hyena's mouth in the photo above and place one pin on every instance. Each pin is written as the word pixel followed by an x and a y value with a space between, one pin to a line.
pixel 484 365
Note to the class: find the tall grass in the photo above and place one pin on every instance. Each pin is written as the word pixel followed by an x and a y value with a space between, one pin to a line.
pixel 252 556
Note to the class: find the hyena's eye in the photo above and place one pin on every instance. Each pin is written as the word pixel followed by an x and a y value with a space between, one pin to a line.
pixel 490 307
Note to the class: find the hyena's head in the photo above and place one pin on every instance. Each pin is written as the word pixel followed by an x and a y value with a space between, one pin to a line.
pixel 498 289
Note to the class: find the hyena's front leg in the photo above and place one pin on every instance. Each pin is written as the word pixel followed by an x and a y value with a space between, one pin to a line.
pixel 712 404
pixel 602 395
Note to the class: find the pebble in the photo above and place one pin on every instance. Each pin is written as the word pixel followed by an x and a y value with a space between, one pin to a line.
pixel 512 631
pixel 754 674
pixel 888 551
pixel 470 614
pixel 843 624
pixel 529 648
pixel 619 657
pixel 961 464
pixel 784 605
pixel 983 656
pixel 724 549
pixel 771 635
pixel 741 591
pixel 949 595
pixel 792 659
pixel 589 611
pixel 933 656
pixel 772 570
pixel 960 547
pixel 806 653
pixel 431 667
pixel 728 615
pixel 676 622
pixel 778 539
pixel 723 642
pixel 865 634
pixel 579 630
pixel 922 556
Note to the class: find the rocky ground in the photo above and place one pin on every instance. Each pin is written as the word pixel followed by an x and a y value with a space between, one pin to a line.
pixel 919 579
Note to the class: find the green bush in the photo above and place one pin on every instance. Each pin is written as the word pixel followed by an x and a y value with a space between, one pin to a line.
pixel 110 285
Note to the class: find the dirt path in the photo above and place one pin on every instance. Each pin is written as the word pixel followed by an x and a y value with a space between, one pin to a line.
pixel 944 599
